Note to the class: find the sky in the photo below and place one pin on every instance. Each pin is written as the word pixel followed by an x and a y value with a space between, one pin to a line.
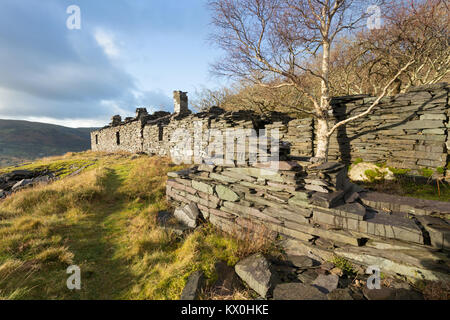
pixel 126 54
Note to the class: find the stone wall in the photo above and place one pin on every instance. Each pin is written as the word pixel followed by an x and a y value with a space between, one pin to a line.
pixel 124 137
pixel 408 130
pixel 399 235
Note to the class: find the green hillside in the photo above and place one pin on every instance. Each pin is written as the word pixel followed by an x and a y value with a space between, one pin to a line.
pixel 24 140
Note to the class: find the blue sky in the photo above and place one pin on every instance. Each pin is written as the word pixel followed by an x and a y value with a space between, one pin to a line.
pixel 128 53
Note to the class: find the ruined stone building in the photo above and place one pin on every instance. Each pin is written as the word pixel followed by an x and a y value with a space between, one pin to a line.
pixel 312 210
pixel 408 130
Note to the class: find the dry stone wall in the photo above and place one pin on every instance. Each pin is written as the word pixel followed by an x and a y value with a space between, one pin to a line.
pixel 340 219
pixel 124 137
pixel 316 211
pixel 407 131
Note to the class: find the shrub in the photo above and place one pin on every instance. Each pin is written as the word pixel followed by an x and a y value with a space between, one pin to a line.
pixel 345 265
pixel 399 172
pixel 374 175
pixel 426 172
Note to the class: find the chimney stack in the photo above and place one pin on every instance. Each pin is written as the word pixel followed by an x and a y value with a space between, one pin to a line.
pixel 141 113
pixel 116 120
pixel 180 101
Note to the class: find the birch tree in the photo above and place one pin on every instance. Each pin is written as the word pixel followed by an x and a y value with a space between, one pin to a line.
pixel 277 43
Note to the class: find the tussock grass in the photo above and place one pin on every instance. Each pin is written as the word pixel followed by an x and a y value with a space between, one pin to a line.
pixel 104 221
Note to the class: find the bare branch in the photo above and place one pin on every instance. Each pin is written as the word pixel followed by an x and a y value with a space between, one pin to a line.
pixel 374 104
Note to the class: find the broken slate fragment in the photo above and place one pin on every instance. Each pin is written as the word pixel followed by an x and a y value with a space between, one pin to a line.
pixel 327 200
pixel 326 283
pixel 22 183
pixel 301 261
pixel 255 271
pixel 193 286
pixel 188 215
pixel 297 291
pixel 340 294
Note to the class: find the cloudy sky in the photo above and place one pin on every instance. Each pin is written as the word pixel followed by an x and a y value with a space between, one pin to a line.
pixel 128 53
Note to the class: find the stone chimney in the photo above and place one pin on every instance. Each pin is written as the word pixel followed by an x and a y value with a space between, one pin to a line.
pixel 116 120
pixel 180 101
pixel 141 113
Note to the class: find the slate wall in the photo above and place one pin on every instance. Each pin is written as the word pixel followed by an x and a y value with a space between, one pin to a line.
pixel 408 130
pixel 346 222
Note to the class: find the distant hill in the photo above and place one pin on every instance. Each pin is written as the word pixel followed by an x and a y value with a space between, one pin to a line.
pixel 24 140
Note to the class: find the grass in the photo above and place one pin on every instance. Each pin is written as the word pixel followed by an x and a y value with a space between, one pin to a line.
pixel 345 265
pixel 408 187
pixel 104 221
pixel 62 166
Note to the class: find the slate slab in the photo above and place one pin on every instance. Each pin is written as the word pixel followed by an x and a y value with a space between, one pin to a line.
pixel 255 272
pixel 340 294
pixel 188 215
pixel 301 261
pixel 327 200
pixel 326 283
pixel 193 287
pixel 297 291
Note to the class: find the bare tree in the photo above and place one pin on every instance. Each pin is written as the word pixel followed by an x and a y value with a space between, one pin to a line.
pixel 418 29
pixel 207 98
pixel 244 95
pixel 279 43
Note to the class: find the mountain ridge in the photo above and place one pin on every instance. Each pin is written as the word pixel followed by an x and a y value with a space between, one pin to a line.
pixel 22 140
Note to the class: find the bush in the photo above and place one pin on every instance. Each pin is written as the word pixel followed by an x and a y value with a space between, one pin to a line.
pixel 399 172
pixel 345 265
pixel 374 175
pixel 426 172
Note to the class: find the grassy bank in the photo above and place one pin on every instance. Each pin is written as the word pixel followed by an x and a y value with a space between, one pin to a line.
pixel 104 221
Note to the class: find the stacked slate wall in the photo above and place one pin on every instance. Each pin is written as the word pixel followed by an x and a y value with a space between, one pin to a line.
pixel 129 134
pixel 276 204
pixel 408 130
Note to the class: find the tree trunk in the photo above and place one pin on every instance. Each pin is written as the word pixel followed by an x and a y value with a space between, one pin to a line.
pixel 322 140
pixel 321 154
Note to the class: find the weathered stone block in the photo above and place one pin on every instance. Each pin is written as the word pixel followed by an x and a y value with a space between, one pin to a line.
pixel 227 194
pixel 188 215
pixel 327 200
pixel 326 283
pixel 249 211
pixel 333 235
pixel 438 230
pixel 299 216
pixel 255 271
pixel 258 173
pixel 222 178
pixel 194 285
pixel 297 291
pixel 203 187
pixel 292 232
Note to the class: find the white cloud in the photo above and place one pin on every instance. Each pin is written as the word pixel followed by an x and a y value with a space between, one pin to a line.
pixel 107 41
